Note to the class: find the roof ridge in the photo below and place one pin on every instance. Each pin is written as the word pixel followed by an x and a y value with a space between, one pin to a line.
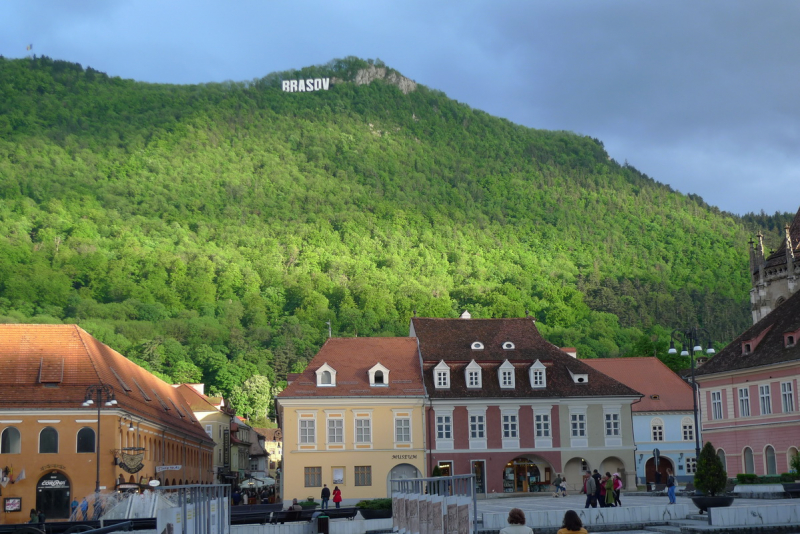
pixel 89 353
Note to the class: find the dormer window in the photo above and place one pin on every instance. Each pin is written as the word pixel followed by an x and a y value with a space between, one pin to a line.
pixel 746 348
pixel 538 376
pixel 326 376
pixel 508 346
pixel 441 376
pixel 378 375
pixel 477 345
pixel 506 375
pixel 789 340
pixel 579 378
pixel 473 375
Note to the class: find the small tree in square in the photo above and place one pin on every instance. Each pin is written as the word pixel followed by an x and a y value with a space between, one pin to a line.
pixel 710 477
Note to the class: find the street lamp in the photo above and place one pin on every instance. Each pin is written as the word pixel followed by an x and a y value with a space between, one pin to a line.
pixel 101 395
pixel 690 341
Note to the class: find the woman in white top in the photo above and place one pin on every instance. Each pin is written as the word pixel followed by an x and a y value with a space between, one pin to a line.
pixel 516 523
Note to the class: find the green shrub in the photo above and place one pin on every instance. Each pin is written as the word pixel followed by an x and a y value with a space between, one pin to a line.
pixel 710 477
pixel 375 504
pixel 794 463
pixel 788 477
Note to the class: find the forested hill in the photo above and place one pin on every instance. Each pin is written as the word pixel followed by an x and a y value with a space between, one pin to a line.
pixel 211 231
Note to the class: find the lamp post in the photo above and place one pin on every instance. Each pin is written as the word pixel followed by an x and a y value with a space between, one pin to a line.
pixel 690 339
pixel 101 395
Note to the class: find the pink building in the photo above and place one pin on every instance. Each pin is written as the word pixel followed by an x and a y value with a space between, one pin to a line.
pixel 749 391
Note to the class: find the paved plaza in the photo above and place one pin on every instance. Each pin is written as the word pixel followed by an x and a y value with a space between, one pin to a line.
pixel 540 502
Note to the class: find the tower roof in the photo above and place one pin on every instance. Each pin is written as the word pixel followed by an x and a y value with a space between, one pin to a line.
pixel 779 256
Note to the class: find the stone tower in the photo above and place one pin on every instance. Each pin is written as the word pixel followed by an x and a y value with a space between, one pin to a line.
pixel 777 276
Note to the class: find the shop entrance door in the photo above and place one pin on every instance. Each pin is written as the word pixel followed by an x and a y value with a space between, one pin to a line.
pixel 53 495
pixel 479 470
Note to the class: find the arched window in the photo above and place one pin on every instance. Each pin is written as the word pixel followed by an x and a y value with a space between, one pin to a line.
pixel 749 464
pixel 325 378
pixel 769 456
pixel 86 440
pixel 657 429
pixel 10 441
pixel 721 456
pixel 48 441
pixel 791 453
pixel 379 377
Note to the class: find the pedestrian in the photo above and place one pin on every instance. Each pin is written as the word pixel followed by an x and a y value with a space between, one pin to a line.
pixel 337 496
pixel 85 509
pixel 617 488
pixel 295 506
pixel 670 486
pixel 563 486
pixel 516 523
pixel 590 489
pixel 557 484
pixel 326 494
pixel 237 497
pixel 609 489
pixel 42 517
pixel 572 524
pixel 596 476
pixel 73 507
pixel 34 516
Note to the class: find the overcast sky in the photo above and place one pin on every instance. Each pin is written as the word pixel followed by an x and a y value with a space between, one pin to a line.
pixel 704 96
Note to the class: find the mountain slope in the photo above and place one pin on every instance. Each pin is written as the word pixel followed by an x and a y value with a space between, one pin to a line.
pixel 211 231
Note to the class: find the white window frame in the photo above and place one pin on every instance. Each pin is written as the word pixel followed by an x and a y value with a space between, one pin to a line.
pixel 687 429
pixel 765 399
pixel 744 402
pixel 538 375
pixel 716 405
pixel 787 397
pixel 441 376
pixel 473 370
pixel 443 421
pixel 506 376
pixel 310 429
pixel 509 426
pixel 691 465
pixel 612 416
pixel 359 424
pixel 656 429
pixel 542 427
pixel 579 436
pixel 210 431
pixel 406 419
pixel 477 433
pixel 334 429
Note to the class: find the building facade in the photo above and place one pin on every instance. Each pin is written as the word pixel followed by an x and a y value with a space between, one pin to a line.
pixel 353 419
pixel 55 450
pixel 663 419
pixel 517 411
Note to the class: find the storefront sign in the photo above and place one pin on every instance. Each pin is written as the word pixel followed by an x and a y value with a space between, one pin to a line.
pixel 160 468
pixel 300 86
pixel 404 457
pixel 12 504
pixel 53 466
pixel 132 463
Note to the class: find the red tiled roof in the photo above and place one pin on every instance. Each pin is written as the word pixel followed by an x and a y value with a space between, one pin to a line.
pixel 771 349
pixel 196 400
pixel 27 350
pixel 451 340
pixel 650 377
pixel 352 358
pixel 271 434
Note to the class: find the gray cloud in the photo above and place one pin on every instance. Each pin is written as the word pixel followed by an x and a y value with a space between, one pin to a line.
pixel 700 95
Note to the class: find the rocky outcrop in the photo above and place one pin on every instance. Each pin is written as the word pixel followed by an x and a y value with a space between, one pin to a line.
pixel 366 76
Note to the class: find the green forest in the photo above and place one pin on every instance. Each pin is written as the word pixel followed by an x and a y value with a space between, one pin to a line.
pixel 211 232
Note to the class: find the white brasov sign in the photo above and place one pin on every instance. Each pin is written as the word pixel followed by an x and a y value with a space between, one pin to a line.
pixel 298 86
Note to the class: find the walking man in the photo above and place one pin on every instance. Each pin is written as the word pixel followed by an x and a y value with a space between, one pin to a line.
pixel 590 488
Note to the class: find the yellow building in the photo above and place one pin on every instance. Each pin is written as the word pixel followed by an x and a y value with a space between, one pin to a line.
pixel 353 420
pixel 49 446
pixel 215 418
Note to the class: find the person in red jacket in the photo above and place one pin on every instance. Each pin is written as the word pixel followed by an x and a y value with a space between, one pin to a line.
pixel 337 496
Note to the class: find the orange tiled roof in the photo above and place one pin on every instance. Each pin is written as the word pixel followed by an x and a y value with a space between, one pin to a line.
pixel 270 434
pixel 352 358
pixel 196 400
pixel 651 377
pixel 66 356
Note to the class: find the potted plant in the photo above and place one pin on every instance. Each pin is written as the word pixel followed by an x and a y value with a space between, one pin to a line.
pixel 310 503
pixel 375 508
pixel 710 479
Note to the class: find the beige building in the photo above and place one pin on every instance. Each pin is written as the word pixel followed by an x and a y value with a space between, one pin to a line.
pixel 354 419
